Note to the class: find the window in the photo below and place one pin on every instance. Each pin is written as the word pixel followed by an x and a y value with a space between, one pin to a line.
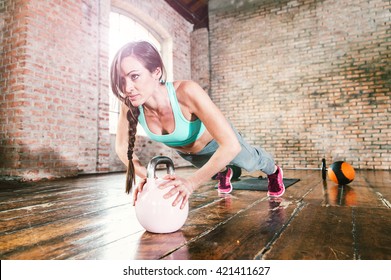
pixel 123 29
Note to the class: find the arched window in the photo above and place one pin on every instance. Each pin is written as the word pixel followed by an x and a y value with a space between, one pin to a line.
pixel 124 29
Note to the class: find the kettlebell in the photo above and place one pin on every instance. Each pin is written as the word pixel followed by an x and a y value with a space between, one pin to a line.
pixel 155 213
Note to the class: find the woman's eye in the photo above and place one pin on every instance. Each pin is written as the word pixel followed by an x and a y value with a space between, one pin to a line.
pixel 134 77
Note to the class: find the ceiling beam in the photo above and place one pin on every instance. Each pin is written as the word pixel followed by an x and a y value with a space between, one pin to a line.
pixel 199 20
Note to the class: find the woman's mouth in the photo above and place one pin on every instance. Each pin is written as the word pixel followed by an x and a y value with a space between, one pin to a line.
pixel 133 97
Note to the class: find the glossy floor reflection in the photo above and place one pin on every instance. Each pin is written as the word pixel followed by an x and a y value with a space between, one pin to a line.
pixel 91 217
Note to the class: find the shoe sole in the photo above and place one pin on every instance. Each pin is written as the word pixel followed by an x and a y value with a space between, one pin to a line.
pixel 281 194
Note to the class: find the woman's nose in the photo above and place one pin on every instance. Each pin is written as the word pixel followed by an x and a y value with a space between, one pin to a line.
pixel 128 85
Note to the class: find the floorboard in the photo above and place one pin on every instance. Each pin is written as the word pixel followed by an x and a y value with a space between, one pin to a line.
pixel 91 217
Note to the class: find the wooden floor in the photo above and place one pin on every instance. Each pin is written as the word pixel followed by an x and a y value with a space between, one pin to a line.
pixel 90 217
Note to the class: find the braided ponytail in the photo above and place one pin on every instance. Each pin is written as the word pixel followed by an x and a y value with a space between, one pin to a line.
pixel 148 55
pixel 132 117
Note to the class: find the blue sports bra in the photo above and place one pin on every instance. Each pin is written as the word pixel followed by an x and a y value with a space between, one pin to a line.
pixel 185 132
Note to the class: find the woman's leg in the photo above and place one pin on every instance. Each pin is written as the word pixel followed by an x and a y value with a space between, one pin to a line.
pixel 250 158
pixel 253 158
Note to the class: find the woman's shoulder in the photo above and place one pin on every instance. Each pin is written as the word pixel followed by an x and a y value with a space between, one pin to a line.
pixel 190 94
pixel 188 88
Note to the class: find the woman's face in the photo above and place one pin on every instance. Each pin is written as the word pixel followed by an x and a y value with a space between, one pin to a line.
pixel 139 83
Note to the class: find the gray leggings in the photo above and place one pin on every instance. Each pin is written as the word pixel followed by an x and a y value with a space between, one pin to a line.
pixel 250 158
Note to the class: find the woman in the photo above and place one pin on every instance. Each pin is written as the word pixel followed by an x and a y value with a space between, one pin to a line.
pixel 182 116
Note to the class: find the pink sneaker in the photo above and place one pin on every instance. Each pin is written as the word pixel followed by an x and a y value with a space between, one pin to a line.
pixel 224 178
pixel 276 186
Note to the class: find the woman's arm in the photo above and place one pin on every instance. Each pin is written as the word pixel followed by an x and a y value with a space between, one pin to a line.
pixel 121 143
pixel 199 103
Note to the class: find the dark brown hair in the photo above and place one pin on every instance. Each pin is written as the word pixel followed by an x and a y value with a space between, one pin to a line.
pixel 148 55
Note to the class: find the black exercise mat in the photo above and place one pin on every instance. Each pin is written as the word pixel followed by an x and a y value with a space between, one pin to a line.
pixel 257 184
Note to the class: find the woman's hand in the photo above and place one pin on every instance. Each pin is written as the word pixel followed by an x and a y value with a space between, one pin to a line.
pixel 179 186
pixel 138 189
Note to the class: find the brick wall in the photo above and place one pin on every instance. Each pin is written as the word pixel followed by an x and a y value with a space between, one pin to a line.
pixel 41 102
pixel 200 67
pixel 306 79
pixel 93 117
pixel 54 83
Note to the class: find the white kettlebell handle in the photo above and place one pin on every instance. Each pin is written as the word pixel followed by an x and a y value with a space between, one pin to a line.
pixel 155 161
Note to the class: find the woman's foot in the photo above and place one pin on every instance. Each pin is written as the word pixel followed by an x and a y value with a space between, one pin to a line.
pixel 224 178
pixel 276 186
